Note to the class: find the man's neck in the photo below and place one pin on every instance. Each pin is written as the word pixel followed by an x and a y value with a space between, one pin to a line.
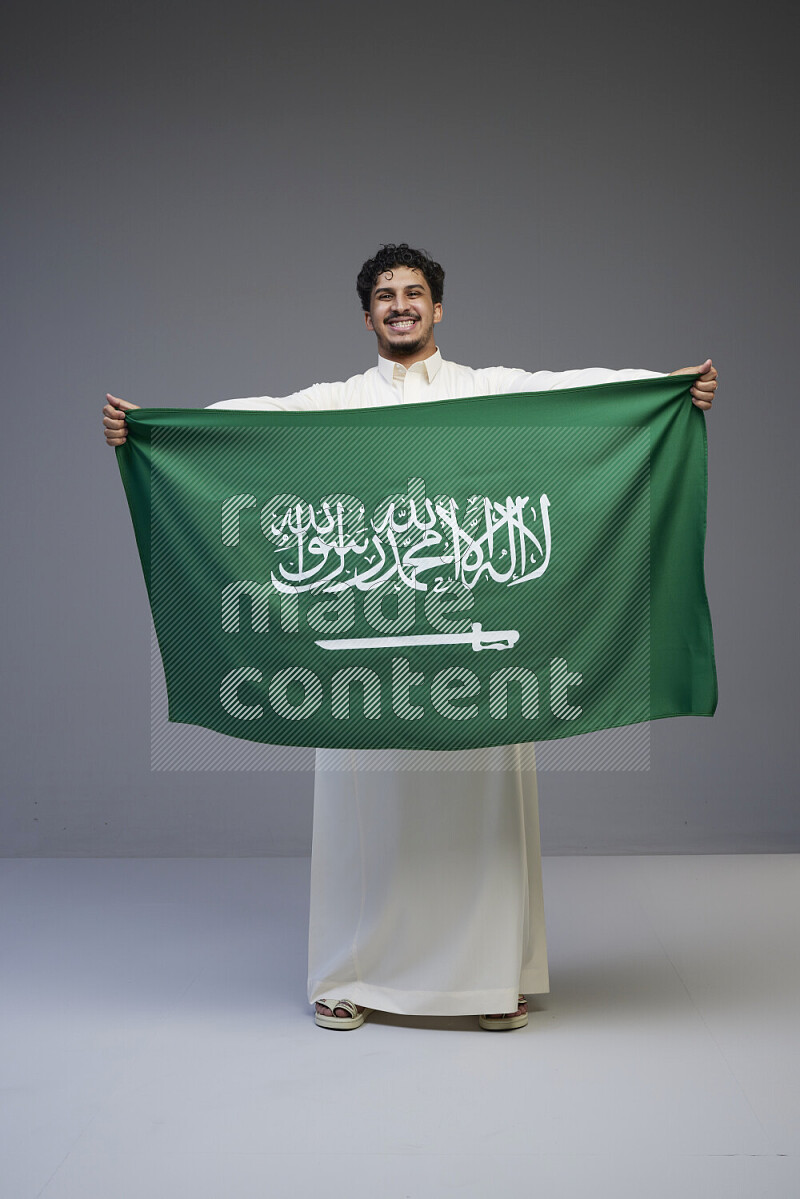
pixel 409 359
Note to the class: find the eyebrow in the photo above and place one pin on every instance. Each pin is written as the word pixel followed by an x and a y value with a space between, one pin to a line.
pixel 408 287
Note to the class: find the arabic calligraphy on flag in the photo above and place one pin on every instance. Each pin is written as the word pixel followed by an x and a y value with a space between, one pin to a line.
pixel 405 540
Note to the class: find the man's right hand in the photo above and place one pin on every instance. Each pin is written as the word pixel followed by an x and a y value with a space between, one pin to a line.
pixel 114 411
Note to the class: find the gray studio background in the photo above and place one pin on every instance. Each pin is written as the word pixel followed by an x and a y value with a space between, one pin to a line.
pixel 189 193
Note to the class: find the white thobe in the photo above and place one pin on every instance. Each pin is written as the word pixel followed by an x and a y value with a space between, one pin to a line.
pixel 426 878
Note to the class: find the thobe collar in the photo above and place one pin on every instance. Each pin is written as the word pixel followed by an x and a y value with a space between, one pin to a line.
pixel 395 372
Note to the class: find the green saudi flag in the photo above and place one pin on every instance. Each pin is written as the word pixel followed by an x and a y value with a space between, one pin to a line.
pixel 441 575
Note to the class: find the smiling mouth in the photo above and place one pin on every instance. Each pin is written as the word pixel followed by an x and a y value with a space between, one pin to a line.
pixel 403 325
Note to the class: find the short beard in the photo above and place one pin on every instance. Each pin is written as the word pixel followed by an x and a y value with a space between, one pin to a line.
pixel 408 347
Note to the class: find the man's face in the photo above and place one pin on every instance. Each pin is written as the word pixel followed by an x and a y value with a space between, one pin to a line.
pixel 402 314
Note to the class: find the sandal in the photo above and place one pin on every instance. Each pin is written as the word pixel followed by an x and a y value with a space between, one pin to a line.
pixel 500 1023
pixel 354 1020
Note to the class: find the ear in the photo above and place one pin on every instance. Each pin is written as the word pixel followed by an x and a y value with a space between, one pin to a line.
pixel 437 313
pixel 368 322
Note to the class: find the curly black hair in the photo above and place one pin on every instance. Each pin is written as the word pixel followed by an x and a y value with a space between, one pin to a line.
pixel 391 255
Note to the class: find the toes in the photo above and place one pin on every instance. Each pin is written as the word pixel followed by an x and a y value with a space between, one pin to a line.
pixel 340 1012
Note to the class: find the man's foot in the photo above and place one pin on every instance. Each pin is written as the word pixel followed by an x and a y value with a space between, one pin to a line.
pixel 345 1014
pixel 342 1014
pixel 498 1021
pixel 522 1006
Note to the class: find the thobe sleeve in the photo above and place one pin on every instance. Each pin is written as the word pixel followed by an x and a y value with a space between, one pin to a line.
pixel 318 398
pixel 506 379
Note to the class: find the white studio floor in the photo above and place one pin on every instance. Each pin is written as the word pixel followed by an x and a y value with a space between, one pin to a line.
pixel 157 1044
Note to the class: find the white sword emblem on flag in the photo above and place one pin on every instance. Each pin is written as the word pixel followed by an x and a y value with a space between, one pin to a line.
pixel 478 639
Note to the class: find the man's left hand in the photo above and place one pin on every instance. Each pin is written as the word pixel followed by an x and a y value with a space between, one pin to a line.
pixel 703 388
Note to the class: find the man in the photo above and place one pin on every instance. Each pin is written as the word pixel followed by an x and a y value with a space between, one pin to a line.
pixel 426 886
